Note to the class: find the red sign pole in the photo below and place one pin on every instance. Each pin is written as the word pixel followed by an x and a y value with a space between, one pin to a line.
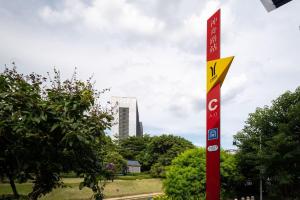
pixel 213 132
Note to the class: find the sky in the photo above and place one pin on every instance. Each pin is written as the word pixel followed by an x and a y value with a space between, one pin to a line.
pixel 154 50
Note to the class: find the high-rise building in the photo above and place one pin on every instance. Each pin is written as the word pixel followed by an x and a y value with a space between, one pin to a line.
pixel 126 117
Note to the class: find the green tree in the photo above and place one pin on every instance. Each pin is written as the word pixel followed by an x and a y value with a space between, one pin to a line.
pixel 277 130
pixel 154 153
pixel 18 100
pixel 57 129
pixel 162 150
pixel 186 177
pixel 116 162
pixel 133 148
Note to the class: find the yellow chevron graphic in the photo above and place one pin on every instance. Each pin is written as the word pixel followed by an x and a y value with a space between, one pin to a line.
pixel 216 71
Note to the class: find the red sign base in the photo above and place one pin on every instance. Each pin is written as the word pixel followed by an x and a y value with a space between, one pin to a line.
pixel 213 135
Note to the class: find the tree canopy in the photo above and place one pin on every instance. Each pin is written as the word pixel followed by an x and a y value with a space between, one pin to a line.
pixel 277 129
pixel 131 147
pixel 47 130
pixel 162 150
pixel 154 153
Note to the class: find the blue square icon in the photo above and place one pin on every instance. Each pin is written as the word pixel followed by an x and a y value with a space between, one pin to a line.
pixel 213 134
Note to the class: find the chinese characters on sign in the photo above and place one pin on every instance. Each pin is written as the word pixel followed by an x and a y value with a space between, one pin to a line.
pixel 213 37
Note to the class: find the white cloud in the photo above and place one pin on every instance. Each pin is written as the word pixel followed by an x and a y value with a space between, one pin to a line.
pixel 71 11
pixel 104 15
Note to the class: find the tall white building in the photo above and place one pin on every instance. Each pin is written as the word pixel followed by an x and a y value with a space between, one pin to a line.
pixel 126 117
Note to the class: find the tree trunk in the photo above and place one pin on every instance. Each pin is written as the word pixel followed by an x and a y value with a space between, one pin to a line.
pixel 13 186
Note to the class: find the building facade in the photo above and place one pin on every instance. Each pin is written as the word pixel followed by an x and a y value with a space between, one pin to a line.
pixel 126 117
pixel 133 166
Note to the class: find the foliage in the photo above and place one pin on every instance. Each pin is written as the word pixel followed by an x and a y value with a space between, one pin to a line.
pixel 119 165
pixel 277 161
pixel 161 197
pixel 186 177
pixel 158 170
pixel 46 131
pixel 133 148
pixel 230 177
pixel 162 150
pixel 154 153
pixel 18 111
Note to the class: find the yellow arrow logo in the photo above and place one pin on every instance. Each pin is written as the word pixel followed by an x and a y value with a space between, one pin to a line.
pixel 216 71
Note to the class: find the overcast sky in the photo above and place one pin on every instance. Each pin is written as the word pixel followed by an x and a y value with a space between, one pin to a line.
pixel 154 50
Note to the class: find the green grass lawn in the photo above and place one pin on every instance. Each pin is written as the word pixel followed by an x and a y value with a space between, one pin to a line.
pixel 134 176
pixel 23 189
pixel 112 189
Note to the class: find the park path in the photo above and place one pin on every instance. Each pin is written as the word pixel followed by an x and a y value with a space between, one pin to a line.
pixel 135 197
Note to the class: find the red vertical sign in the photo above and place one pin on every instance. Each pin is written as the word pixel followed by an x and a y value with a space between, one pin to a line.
pixel 213 132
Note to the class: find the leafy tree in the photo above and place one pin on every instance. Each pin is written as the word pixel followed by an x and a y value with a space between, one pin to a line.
pixel 46 131
pixel 230 177
pixel 277 130
pixel 18 100
pixel 186 177
pixel 162 150
pixel 110 146
pixel 116 161
pixel 133 148
pixel 158 170
pixel 154 153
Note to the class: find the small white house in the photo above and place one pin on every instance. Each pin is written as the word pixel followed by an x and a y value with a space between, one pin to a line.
pixel 133 166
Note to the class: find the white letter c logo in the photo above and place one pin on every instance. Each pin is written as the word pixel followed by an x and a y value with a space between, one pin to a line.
pixel 210 106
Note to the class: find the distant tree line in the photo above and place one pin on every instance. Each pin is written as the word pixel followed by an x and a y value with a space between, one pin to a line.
pixel 154 153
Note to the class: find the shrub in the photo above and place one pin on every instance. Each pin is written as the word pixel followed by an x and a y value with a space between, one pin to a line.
pixel 186 177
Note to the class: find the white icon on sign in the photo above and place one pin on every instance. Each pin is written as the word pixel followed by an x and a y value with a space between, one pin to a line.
pixel 212 107
pixel 213 148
